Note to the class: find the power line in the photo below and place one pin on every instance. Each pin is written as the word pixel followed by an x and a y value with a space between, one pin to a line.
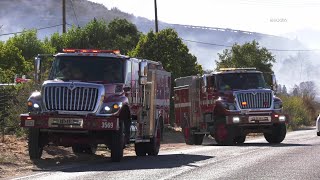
pixel 74 12
pixel 48 27
pixel 206 43
pixel 270 49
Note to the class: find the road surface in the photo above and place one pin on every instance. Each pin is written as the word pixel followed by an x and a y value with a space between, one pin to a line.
pixel 296 158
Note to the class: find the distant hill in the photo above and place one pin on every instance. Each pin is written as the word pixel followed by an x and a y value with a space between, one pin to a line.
pixel 203 42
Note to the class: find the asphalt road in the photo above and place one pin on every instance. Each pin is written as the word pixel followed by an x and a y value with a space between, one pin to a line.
pixel 296 158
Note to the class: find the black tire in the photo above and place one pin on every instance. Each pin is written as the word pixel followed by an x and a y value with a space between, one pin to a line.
pixel 189 139
pixel 140 149
pixel 80 149
pixel 34 144
pixel 154 145
pixel 240 139
pixel 318 133
pixel 161 127
pixel 198 139
pixel 117 143
pixel 224 134
pixel 277 135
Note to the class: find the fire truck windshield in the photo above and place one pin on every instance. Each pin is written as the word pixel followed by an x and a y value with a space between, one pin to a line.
pixel 88 68
pixel 234 81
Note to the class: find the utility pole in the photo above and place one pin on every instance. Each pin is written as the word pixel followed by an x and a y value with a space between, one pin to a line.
pixel 156 15
pixel 63 16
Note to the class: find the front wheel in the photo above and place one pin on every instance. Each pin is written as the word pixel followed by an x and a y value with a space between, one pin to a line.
pixel 277 134
pixel 198 139
pixel 34 144
pixel 188 137
pixel 224 134
pixel 117 144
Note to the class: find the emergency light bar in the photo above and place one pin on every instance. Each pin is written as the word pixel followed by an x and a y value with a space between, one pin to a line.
pixel 90 51
pixel 234 69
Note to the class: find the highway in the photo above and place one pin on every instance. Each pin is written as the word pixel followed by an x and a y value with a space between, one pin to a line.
pixel 296 158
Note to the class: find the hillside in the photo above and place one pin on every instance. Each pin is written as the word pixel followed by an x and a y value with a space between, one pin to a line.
pixel 16 15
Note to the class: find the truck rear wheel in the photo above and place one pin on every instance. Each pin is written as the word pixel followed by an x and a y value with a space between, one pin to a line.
pixel 140 149
pixel 154 145
pixel 223 134
pixel 198 139
pixel 117 144
pixel 34 144
pixel 277 134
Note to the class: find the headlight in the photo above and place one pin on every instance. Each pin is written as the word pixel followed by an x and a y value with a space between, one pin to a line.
pixel 33 107
pixel 34 102
pixel 277 104
pixel 229 106
pixel 110 108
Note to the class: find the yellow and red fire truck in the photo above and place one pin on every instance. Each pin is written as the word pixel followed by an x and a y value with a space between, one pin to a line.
pixel 228 105
pixel 94 97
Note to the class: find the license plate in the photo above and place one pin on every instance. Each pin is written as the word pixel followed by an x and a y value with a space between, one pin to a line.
pixel 259 119
pixel 66 122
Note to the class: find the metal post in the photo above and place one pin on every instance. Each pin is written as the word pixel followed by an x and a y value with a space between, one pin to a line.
pixel 64 16
pixel 156 15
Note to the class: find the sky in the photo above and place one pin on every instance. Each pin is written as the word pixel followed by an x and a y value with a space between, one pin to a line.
pixel 273 17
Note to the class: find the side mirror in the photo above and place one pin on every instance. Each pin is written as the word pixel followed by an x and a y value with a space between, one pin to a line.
pixel 274 83
pixel 37 73
pixel 143 68
pixel 204 84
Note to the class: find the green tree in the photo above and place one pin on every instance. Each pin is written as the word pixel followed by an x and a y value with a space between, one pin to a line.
pixel 123 35
pixel 29 45
pixel 168 48
pixel 118 34
pixel 12 62
pixel 246 55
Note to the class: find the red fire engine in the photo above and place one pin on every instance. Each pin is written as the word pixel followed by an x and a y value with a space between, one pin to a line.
pixel 98 97
pixel 228 105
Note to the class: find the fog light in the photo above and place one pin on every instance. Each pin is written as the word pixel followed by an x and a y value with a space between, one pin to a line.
pixel 282 118
pixel 236 119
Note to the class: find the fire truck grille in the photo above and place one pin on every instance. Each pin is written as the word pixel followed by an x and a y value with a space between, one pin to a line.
pixel 66 99
pixel 254 100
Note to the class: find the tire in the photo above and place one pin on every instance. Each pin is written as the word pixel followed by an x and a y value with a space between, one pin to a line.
pixel 188 138
pixel 318 133
pixel 117 144
pixel 140 149
pixel 240 139
pixel 80 149
pixel 198 139
pixel 161 127
pixel 34 144
pixel 224 134
pixel 154 144
pixel 277 135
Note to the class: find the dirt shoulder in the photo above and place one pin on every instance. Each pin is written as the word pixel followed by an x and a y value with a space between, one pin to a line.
pixel 14 158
